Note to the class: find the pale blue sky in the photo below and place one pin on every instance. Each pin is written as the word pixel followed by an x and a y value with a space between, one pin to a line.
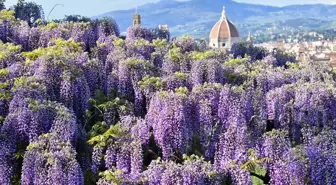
pixel 96 7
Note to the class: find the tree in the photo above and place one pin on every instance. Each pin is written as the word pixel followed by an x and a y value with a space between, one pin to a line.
pixel 2 4
pixel 242 49
pixel 72 18
pixel 283 57
pixel 28 11
pixel 108 25
pixel 76 18
pixel 160 33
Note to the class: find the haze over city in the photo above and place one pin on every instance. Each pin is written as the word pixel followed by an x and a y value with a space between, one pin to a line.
pixel 92 8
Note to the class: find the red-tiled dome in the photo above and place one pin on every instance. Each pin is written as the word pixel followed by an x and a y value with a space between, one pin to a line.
pixel 223 29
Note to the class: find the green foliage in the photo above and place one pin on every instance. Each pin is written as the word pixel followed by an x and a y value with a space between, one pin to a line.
pixel 100 45
pixel 58 55
pixel 235 62
pixel 2 119
pixel 114 177
pixel 293 65
pixel 141 43
pixel 134 63
pixel 182 91
pixel 255 164
pixel 50 26
pixel 60 48
pixel 7 15
pixel 160 44
pixel 39 22
pixel 175 54
pixel 198 55
pixel 276 133
pixel 94 115
pixel 33 146
pixel 256 180
pixel 114 132
pixel 237 78
pixel 101 103
pixel 3 85
pixel 3 73
pixel 62 111
pixel 8 49
pixel 151 82
pixel 196 148
pixel 180 75
pixel 4 92
pixel 119 42
pixel 19 154
pixel 90 178
pixel 34 104
pixel 191 157
pixel 16 179
pixel 161 47
pixel 24 81
pixel 98 130
pixel 212 85
pixel 99 98
pixel 205 86
pixel 163 94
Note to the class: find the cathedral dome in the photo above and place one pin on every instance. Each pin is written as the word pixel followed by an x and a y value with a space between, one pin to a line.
pixel 223 29
pixel 224 34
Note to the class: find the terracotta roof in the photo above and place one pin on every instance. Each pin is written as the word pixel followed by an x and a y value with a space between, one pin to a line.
pixel 223 29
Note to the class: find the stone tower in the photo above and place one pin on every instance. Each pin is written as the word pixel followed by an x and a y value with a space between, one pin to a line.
pixel 136 18
pixel 249 38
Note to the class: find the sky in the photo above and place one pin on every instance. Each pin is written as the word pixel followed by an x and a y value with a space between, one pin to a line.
pixel 96 7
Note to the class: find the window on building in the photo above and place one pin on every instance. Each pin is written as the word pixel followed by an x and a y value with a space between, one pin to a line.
pixel 214 44
pixel 223 44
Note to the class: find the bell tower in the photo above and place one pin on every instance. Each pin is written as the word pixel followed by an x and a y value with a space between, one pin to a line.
pixel 136 18
pixel 249 38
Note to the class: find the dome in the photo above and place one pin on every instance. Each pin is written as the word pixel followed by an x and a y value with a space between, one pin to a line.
pixel 224 34
pixel 223 29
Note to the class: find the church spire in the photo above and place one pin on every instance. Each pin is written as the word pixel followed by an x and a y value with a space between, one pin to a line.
pixel 223 13
pixel 136 18
pixel 249 38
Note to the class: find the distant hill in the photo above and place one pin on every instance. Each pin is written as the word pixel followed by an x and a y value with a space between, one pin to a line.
pixel 196 17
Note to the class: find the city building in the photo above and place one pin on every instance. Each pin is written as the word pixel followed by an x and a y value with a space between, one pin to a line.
pixel 136 18
pixel 315 51
pixel 164 27
pixel 223 34
pixel 161 31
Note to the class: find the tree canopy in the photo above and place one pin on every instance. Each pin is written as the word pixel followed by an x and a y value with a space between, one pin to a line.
pixel 2 4
pixel 28 11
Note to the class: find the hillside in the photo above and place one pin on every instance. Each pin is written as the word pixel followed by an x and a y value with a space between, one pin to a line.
pixel 196 17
